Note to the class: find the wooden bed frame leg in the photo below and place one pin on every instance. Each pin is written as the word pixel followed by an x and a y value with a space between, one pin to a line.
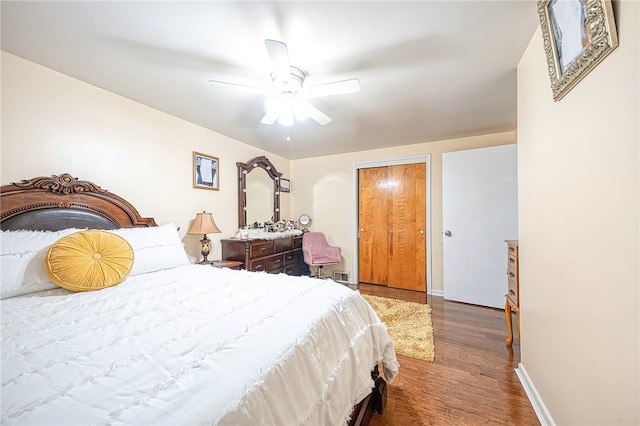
pixel 374 402
pixel 379 392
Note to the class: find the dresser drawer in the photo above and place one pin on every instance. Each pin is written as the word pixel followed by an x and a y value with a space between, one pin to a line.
pixel 513 292
pixel 293 270
pixel 512 267
pixel 297 242
pixel 292 257
pixel 272 263
pixel 282 244
pixel 261 249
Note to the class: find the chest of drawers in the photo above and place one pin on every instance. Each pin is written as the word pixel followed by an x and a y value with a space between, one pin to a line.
pixel 512 303
pixel 272 256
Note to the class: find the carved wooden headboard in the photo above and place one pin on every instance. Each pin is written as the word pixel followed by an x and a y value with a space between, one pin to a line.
pixel 60 202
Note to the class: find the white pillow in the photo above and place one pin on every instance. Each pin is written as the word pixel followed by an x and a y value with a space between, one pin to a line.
pixel 154 248
pixel 22 261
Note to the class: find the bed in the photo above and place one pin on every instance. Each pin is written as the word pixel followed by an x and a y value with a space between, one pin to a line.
pixel 173 342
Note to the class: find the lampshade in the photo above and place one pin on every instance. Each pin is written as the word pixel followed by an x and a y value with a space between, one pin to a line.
pixel 203 224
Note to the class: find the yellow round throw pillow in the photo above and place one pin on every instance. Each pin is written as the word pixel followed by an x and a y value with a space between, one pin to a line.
pixel 89 260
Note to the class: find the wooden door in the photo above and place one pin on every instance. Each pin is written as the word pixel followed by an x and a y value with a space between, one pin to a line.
pixel 392 225
pixel 373 207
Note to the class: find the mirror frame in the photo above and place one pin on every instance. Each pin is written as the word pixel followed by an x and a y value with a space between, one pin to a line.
pixel 306 218
pixel 245 168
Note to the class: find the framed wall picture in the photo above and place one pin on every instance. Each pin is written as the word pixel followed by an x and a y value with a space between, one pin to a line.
pixel 285 185
pixel 206 171
pixel 577 35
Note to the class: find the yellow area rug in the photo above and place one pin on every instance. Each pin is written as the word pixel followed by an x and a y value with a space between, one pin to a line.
pixel 409 325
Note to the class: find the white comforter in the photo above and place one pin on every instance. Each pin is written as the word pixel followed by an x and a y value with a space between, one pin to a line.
pixel 191 345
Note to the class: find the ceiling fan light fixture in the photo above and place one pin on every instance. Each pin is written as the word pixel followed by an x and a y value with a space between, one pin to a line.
pixel 300 109
pixel 273 105
pixel 287 109
pixel 286 117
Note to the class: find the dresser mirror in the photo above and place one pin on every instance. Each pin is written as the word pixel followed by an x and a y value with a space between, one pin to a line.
pixel 258 193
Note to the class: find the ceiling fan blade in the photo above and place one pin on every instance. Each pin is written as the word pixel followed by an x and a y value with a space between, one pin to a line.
pixel 336 88
pixel 250 89
pixel 270 117
pixel 275 108
pixel 319 116
pixel 279 60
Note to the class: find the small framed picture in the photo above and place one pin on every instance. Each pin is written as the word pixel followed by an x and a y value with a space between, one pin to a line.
pixel 285 185
pixel 206 171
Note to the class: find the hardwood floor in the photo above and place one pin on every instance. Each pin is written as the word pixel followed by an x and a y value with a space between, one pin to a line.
pixel 472 380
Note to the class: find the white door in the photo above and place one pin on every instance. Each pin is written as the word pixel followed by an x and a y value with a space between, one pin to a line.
pixel 480 212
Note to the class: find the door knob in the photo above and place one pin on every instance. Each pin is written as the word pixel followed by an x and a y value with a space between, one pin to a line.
pixel 448 233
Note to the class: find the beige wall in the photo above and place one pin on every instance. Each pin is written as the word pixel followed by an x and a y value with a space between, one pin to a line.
pixel 579 235
pixel 324 188
pixel 52 123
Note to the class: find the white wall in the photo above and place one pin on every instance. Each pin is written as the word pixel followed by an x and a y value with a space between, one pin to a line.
pixel 579 234
pixel 52 124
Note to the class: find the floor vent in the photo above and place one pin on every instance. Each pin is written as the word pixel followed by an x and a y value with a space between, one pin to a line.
pixel 341 276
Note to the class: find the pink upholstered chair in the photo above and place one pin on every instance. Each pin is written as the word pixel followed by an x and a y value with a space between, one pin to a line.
pixel 317 252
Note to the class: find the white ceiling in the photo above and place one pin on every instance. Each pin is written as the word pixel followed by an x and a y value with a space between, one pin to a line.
pixel 428 70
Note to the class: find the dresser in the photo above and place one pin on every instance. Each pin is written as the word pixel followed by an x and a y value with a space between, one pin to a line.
pixel 512 303
pixel 272 256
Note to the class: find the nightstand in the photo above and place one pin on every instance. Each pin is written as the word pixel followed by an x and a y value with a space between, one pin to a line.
pixel 231 264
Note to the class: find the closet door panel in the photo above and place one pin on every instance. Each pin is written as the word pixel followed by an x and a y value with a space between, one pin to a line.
pixel 407 230
pixel 372 219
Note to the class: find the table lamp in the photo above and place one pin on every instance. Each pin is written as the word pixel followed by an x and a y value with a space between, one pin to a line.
pixel 204 224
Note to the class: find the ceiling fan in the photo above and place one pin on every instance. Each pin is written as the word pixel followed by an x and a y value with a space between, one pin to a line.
pixel 287 98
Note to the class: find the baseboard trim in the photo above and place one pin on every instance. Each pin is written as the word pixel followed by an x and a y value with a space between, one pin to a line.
pixel 439 293
pixel 534 397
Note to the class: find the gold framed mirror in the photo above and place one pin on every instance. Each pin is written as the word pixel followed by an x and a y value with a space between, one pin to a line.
pixel 258 191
